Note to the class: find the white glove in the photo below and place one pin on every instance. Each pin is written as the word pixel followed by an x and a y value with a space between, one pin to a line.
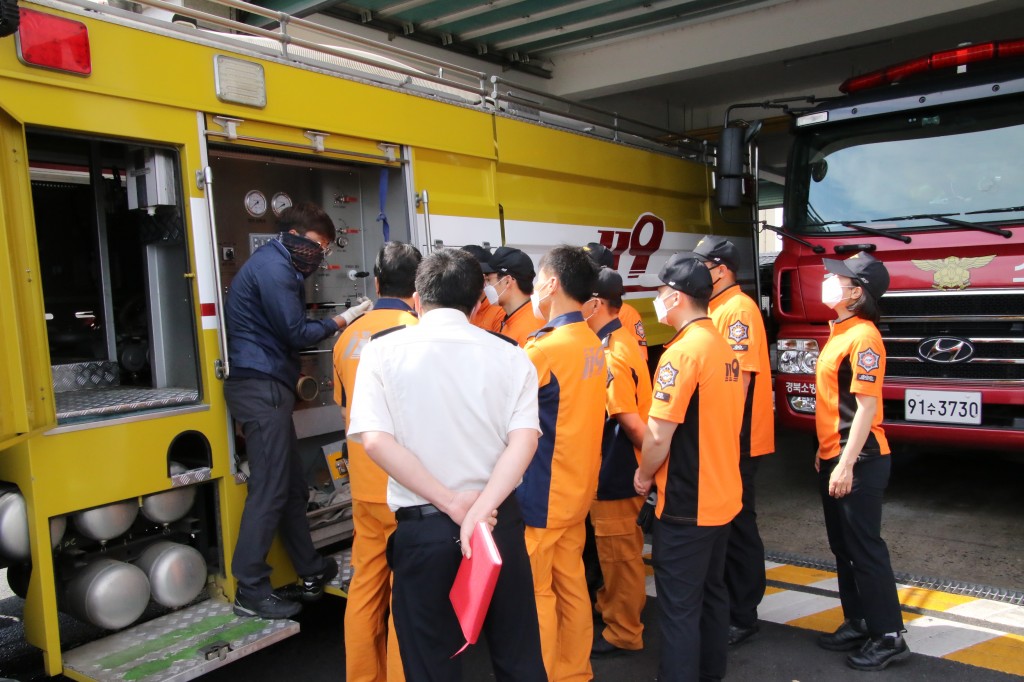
pixel 353 313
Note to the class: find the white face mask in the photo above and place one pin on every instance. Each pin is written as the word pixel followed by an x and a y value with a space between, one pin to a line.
pixel 491 293
pixel 832 292
pixel 661 310
pixel 536 299
pixel 595 309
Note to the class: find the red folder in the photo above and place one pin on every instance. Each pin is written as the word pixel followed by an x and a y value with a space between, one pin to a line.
pixel 474 584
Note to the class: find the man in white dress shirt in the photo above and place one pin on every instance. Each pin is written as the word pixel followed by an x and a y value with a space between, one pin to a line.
pixel 449 411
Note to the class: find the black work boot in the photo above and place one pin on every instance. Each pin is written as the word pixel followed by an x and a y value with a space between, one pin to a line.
pixel 312 586
pixel 852 634
pixel 879 652
pixel 270 608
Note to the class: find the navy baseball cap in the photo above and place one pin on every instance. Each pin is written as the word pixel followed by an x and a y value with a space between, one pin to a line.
pixel 719 251
pixel 863 267
pixel 608 286
pixel 508 260
pixel 685 272
pixel 482 255
pixel 600 254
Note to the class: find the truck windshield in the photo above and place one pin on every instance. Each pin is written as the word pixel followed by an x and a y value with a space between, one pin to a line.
pixel 962 162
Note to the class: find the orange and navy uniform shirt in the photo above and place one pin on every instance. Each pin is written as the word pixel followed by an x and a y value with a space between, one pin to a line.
pixel 852 362
pixel 519 325
pixel 631 320
pixel 628 392
pixel 368 481
pixel 739 320
pixel 698 386
pixel 488 317
pixel 561 481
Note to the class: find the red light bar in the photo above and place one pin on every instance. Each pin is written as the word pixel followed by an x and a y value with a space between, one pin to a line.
pixel 53 42
pixel 960 56
pixel 964 55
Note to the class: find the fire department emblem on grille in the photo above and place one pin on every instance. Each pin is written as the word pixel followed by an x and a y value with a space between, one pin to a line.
pixel 868 360
pixel 952 272
pixel 667 375
pixel 738 332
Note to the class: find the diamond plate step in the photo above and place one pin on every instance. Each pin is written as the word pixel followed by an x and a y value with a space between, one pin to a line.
pixel 179 646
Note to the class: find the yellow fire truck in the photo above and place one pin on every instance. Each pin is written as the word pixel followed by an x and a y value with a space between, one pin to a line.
pixel 146 151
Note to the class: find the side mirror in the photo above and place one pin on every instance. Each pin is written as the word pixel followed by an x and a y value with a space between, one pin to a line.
pixel 730 167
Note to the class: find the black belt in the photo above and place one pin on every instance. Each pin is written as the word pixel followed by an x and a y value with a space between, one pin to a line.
pixel 416 513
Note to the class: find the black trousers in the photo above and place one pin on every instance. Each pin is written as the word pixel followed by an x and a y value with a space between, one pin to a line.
pixel 277 495
pixel 424 557
pixel 867 588
pixel 744 558
pixel 693 602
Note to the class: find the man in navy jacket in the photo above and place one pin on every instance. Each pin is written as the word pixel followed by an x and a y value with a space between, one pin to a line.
pixel 266 328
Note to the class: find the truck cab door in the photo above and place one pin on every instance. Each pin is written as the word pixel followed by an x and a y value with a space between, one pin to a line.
pixel 26 385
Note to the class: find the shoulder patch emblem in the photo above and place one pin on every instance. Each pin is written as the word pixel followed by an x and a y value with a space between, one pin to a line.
pixel 738 332
pixel 641 333
pixel 868 360
pixel 667 375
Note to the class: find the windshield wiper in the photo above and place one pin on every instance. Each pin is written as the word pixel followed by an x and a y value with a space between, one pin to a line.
pixel 945 218
pixel 856 225
pixel 781 231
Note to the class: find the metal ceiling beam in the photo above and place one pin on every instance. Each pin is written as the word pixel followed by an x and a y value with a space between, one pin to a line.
pixel 469 12
pixel 534 16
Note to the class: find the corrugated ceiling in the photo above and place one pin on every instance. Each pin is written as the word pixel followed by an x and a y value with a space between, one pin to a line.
pixel 516 33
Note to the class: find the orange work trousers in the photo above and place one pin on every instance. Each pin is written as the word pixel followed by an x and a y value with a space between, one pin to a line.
pixel 371 648
pixel 563 603
pixel 620 548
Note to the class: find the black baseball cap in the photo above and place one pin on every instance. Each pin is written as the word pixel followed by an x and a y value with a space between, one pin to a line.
pixel 863 267
pixel 718 250
pixel 600 254
pixel 686 272
pixel 608 286
pixel 508 260
pixel 482 255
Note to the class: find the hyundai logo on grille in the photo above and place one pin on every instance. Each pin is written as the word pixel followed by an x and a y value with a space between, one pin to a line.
pixel 945 349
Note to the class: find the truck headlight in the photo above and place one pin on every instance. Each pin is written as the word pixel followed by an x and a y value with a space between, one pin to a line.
pixel 798 356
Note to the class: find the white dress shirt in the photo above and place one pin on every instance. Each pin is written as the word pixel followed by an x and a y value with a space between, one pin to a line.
pixel 449 392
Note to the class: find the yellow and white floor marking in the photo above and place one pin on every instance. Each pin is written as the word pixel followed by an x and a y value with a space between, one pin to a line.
pixel 979 632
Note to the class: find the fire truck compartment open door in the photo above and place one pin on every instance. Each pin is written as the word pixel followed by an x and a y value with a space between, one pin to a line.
pixel 26 389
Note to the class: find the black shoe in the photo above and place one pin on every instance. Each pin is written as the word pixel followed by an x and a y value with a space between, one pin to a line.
pixel 604 649
pixel 879 652
pixel 270 608
pixel 738 634
pixel 312 587
pixel 852 634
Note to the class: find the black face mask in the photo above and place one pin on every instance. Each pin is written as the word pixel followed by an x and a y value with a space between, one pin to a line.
pixel 306 254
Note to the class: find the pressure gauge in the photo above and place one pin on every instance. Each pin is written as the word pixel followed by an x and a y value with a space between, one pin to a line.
pixel 280 202
pixel 255 203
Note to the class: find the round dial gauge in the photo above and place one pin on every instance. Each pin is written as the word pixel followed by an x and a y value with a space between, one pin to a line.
pixel 280 202
pixel 255 203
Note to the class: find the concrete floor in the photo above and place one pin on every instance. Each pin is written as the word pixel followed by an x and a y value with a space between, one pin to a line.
pixel 949 515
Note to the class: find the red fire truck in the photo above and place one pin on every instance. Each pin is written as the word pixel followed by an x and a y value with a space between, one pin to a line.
pixel 921 165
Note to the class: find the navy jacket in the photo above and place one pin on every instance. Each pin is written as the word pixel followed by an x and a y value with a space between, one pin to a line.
pixel 266 317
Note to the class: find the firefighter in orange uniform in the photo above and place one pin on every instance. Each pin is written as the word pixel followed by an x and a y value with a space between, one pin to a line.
pixel 628 315
pixel 561 481
pixel 620 542
pixel 692 451
pixel 489 314
pixel 371 648
pixel 853 464
pixel 512 279
pixel 739 320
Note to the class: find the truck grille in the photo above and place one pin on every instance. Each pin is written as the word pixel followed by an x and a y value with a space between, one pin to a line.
pixel 992 322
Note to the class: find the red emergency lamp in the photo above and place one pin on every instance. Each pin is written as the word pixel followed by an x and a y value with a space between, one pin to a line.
pixel 957 57
pixel 52 42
